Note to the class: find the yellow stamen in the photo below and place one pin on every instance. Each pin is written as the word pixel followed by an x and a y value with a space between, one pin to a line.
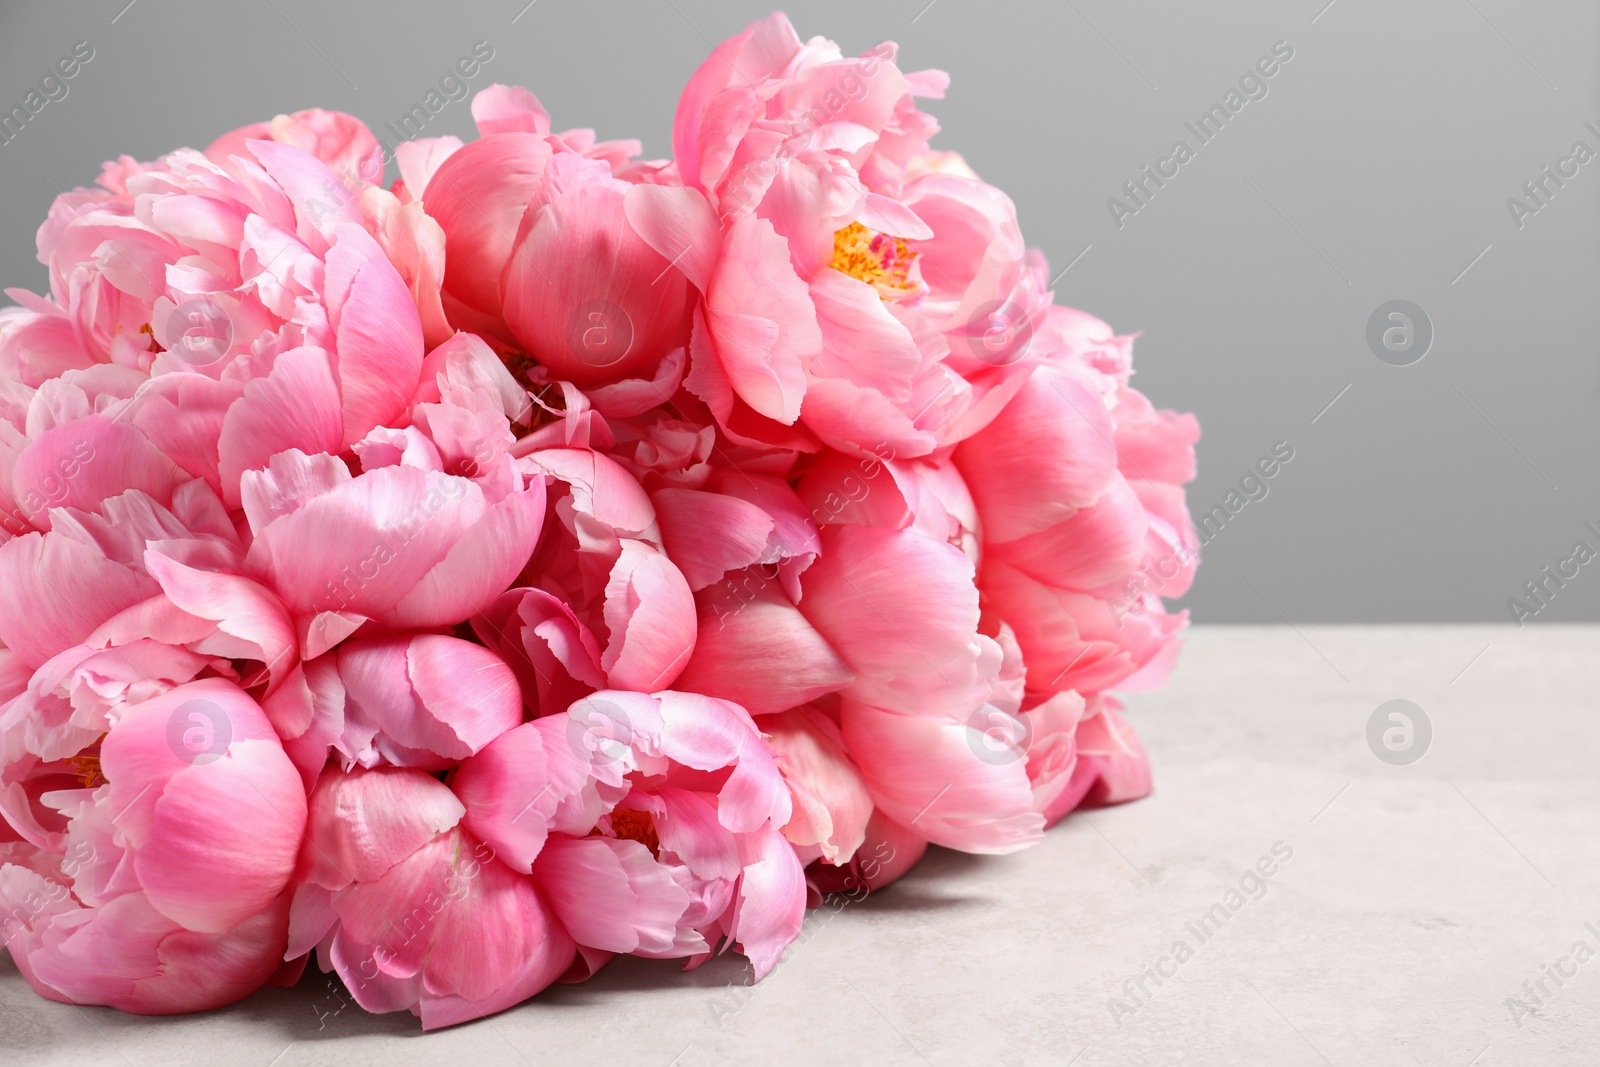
pixel 881 261
pixel 86 765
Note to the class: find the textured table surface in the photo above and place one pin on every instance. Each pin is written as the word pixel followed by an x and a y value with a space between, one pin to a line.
pixel 1417 902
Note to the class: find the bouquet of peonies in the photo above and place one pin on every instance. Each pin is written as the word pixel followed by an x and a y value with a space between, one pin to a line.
pixel 554 554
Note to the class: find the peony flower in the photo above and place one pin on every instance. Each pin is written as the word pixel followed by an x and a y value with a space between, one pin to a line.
pixel 606 561
pixel 152 871
pixel 423 700
pixel 887 616
pixel 541 838
pixel 396 894
pixel 540 252
pixel 833 307
pixel 400 545
pixel 708 801
pixel 1055 556
pixel 134 568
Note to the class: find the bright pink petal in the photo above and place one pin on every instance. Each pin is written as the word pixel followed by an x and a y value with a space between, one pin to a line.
pixel 650 613
pixel 378 359
pixel 432 699
pixel 218 832
pixel 55 590
pixel 1101 544
pixel 755 648
pixel 763 321
pixel 296 406
pixel 939 778
pixel 529 781
pixel 363 823
pixel 708 734
pixel 478 195
pixel 82 463
pixel 611 894
pixel 895 603
pixel 1049 453
pixel 709 534
pixel 679 224
pixel 772 899
pixel 831 800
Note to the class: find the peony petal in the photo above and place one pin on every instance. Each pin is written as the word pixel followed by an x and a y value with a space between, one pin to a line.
pixel 831 800
pixel 709 534
pixel 937 777
pixel 650 613
pixel 708 734
pixel 756 649
pixel 1047 454
pixel 772 899
pixel 611 894
pixel 895 603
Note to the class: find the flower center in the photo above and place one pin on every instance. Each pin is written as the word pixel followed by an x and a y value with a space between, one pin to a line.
pixel 881 261
pixel 631 825
pixel 86 765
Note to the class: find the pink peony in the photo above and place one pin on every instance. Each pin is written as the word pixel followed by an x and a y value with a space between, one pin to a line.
pixel 152 872
pixel 706 797
pixel 395 894
pixel 540 252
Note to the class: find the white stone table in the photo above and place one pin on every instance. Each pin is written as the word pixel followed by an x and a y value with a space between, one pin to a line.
pixel 1417 901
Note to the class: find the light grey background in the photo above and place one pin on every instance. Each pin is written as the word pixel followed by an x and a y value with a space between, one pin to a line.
pixel 1377 167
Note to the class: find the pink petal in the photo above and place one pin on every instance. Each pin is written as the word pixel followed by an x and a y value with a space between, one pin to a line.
pixel 889 851
pixel 364 822
pixel 251 623
pixel 831 801
pixel 418 161
pixel 553 654
pixel 321 200
pixel 296 406
pixel 708 734
pixel 762 319
pixel 479 195
pixel 896 604
pixel 378 360
pixel 611 894
pixel 1049 453
pixel 588 295
pixel 1152 444
pixel 709 534
pixel 237 816
pixel 772 899
pixel 55 590
pixel 650 613
pixel 82 463
pixel 680 225
pixel 527 782
pixel 601 488
pixel 508 109
pixel 932 776
pixel 755 648
pixel 434 699
pixel 1101 544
